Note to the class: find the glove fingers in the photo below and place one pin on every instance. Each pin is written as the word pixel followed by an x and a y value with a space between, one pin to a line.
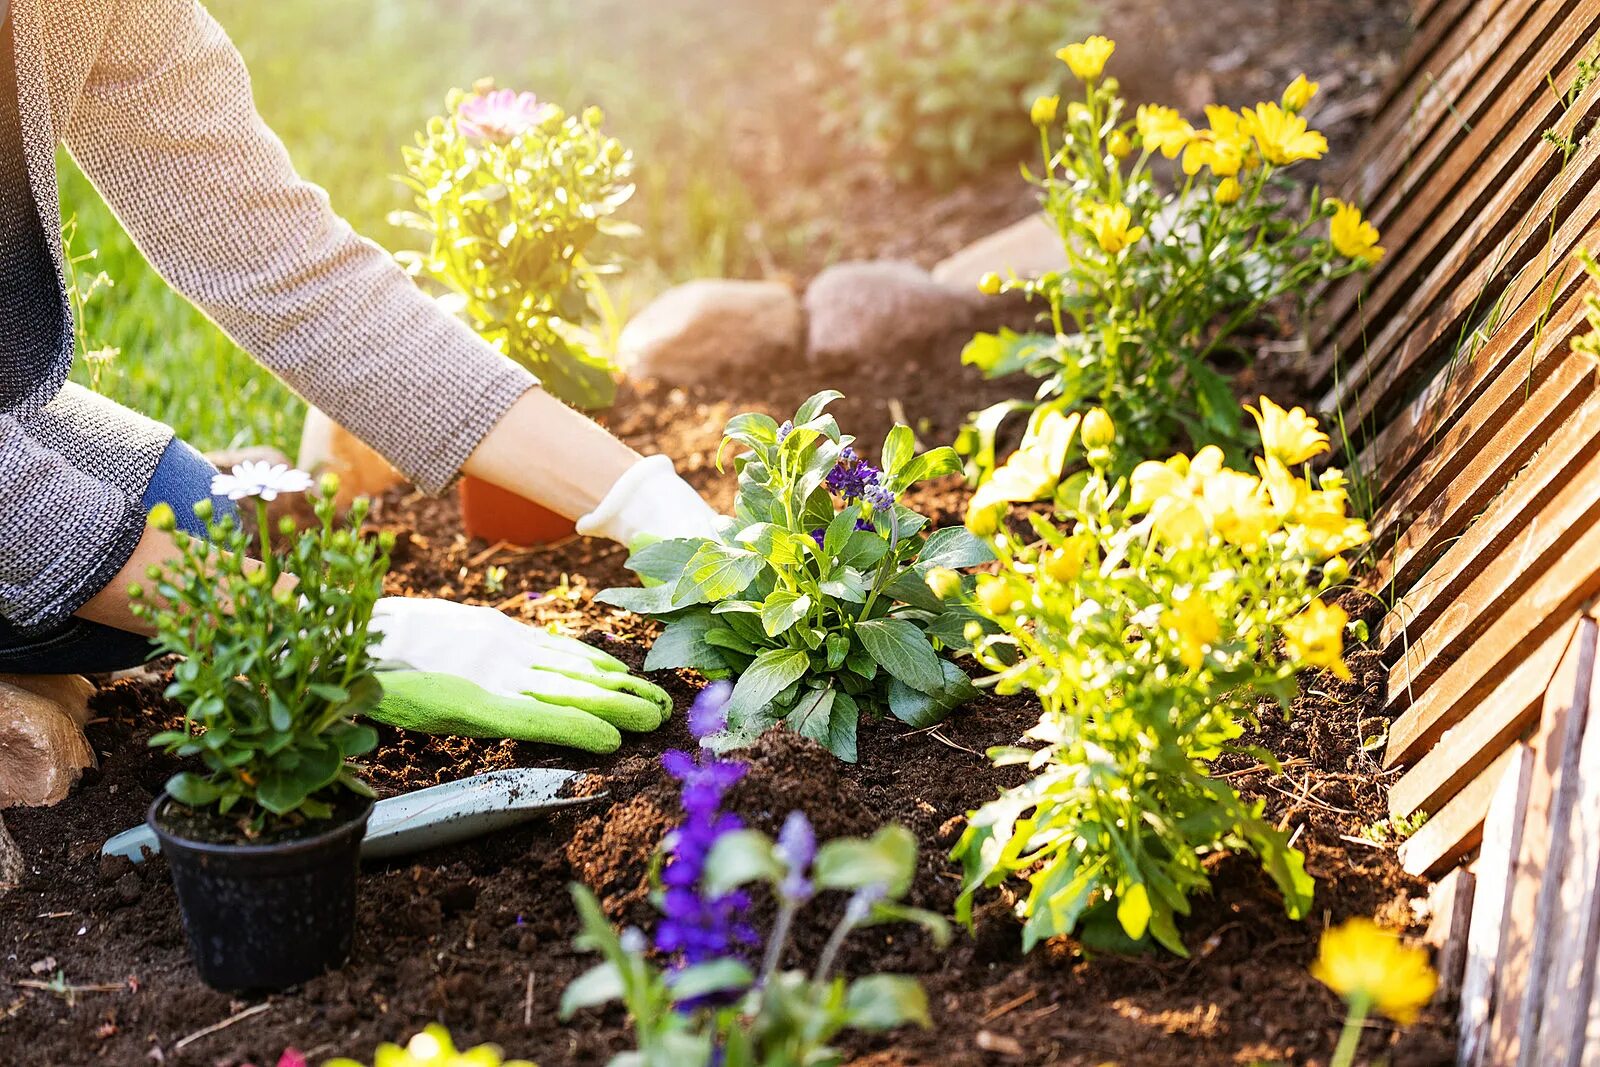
pixel 575 649
pixel 435 703
pixel 594 692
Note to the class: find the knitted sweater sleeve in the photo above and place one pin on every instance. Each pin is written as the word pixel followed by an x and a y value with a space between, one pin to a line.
pixel 168 131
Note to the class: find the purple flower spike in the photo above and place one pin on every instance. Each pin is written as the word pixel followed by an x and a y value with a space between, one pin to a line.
pixel 796 848
pixel 709 713
pixel 785 430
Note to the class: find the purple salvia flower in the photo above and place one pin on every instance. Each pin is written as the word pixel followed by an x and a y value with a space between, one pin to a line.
pixel 865 526
pixel 709 713
pixel 785 430
pixel 819 535
pixel 879 496
pixel 796 848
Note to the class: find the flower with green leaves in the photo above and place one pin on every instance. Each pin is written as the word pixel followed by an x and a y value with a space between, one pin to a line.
pixel 1150 614
pixel 432 1047
pixel 515 196
pixel 273 674
pixel 1167 274
pixel 815 597
pixel 729 1013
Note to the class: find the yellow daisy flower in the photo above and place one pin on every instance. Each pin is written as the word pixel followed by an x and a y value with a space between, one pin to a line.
pixel 1162 129
pixel 1353 236
pixel 1112 226
pixel 1315 637
pixel 1291 436
pixel 1196 627
pixel 1282 136
pixel 1371 968
pixel 1088 58
pixel 1299 93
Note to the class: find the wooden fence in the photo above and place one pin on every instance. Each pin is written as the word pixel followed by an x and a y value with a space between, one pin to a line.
pixel 1453 369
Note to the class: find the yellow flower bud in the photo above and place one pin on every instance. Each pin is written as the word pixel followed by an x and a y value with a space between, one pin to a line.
pixel 944 582
pixel 1335 570
pixel 1087 58
pixel 1043 111
pixel 1299 93
pixel 135 591
pixel 1228 191
pixel 1098 430
pixel 1062 564
pixel 973 632
pixel 593 116
pixel 162 518
pixel 995 595
pixel 990 284
pixel 1078 113
pixel 1118 144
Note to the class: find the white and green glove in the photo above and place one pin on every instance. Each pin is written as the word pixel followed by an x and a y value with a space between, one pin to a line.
pixel 450 668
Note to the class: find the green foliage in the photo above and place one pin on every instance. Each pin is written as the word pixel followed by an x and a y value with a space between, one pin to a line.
pixel 820 607
pixel 1150 615
pixel 513 223
pixel 273 673
pixel 938 88
pixel 728 1013
pixel 1172 267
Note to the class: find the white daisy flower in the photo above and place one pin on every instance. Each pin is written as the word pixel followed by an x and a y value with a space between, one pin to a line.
pixel 260 478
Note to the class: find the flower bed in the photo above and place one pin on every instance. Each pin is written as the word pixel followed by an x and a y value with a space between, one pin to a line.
pixel 456 934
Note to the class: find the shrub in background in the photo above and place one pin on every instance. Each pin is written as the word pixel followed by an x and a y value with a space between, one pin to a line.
pixel 514 194
pixel 1179 238
pixel 1150 615
pixel 815 597
pixel 272 676
pixel 933 87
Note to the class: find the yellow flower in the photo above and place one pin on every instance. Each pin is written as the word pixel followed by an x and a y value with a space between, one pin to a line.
pixel 1228 191
pixel 1353 236
pixel 1168 492
pixel 1197 629
pixel 1239 508
pixel 990 284
pixel 1064 564
pixel 1282 136
pixel 1097 431
pixel 1162 129
pixel 1371 968
pixel 1291 436
pixel 1088 58
pixel 1222 147
pixel 1299 93
pixel 1111 225
pixel 995 595
pixel 1118 145
pixel 1315 637
pixel 944 582
pixel 1043 111
pixel 434 1048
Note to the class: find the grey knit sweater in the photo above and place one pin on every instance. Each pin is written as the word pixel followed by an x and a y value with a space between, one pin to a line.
pixel 154 103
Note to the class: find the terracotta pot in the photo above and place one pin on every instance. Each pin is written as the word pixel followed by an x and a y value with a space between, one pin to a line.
pixel 497 514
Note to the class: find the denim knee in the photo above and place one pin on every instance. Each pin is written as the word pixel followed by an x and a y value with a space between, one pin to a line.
pixel 182 479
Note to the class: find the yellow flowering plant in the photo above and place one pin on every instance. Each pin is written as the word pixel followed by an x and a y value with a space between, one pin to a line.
pixel 433 1047
pixel 1150 614
pixel 1373 970
pixel 1181 238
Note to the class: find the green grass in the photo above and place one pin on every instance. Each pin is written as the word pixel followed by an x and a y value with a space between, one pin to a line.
pixel 345 85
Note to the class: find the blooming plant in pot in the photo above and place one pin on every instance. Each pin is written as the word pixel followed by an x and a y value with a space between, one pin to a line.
pixel 724 997
pixel 1181 243
pixel 816 598
pixel 263 836
pixel 1150 615
pixel 515 196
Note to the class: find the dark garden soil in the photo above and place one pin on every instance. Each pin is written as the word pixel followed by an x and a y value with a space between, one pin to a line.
pixel 93 966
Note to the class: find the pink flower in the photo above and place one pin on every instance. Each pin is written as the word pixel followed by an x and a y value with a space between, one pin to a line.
pixel 292 1057
pixel 498 116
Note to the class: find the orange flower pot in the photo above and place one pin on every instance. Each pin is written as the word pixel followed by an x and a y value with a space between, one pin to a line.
pixel 497 514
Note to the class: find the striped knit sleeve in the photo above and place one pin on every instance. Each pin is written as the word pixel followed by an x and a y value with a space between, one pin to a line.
pixel 168 132
pixel 64 533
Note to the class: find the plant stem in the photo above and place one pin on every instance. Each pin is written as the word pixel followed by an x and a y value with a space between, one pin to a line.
pixel 1349 1038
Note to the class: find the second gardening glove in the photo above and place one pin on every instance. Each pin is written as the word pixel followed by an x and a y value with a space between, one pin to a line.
pixel 450 668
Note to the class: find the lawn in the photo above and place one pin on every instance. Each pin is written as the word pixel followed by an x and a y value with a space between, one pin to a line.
pixel 345 85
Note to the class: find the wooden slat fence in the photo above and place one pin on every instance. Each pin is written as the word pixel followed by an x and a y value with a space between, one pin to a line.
pixel 1452 372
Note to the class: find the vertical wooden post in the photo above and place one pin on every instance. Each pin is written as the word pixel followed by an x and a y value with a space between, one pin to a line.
pixel 1519 997
pixel 1451 907
pixel 1502 841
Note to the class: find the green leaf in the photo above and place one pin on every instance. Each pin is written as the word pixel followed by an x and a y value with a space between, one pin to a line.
pixel 598 985
pixel 1007 352
pixel 664 561
pixel 683 644
pixel 716 976
pixel 955 547
pixel 772 672
pixel 888 859
pixel 918 710
pixel 813 715
pixel 192 790
pixel 814 405
pixel 902 650
pixel 650 600
pixel 782 610
pixel 898 448
pixel 739 858
pixel 839 531
pixel 717 572
pixel 885 1001
pixel 1133 910
pixel 935 463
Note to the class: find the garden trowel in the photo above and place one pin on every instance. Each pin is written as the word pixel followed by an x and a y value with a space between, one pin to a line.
pixel 429 818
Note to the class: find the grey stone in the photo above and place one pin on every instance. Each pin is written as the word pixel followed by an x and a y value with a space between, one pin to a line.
pixel 700 329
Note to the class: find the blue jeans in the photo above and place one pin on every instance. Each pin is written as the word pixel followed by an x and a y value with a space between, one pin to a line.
pixel 181 480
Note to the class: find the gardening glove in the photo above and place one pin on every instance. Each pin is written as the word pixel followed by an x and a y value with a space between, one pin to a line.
pixel 465 652
pixel 650 503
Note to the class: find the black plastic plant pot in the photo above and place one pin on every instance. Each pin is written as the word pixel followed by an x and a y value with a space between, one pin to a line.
pixel 265 916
